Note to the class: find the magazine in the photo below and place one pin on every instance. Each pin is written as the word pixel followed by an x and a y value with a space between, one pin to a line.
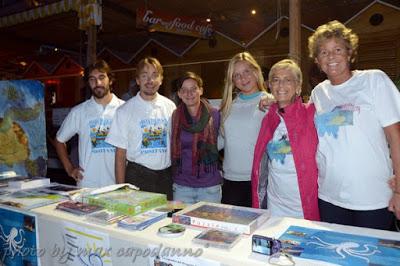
pixel 78 208
pixel 30 199
pixel 221 216
pixel 105 217
pixel 142 221
pixel 217 238
pixel 55 188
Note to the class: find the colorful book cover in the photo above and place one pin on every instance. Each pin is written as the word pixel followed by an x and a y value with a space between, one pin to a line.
pixel 340 248
pixel 78 208
pixel 30 199
pixel 128 201
pixel 217 238
pixel 221 216
pixel 141 221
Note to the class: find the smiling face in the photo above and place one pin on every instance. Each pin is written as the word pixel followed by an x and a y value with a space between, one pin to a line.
pixel 190 93
pixel 244 77
pixel 99 83
pixel 334 60
pixel 284 86
pixel 149 81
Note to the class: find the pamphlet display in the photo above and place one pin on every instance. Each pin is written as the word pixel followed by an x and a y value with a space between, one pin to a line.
pixel 221 216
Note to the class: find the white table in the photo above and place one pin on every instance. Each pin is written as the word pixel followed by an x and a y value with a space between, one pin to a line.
pixel 52 223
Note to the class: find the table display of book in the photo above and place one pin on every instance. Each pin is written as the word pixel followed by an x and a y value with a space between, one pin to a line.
pixel 221 216
pixel 127 201
pixel 30 199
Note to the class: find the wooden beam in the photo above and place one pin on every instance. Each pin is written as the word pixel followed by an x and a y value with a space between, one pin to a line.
pixel 295 30
pixel 91 50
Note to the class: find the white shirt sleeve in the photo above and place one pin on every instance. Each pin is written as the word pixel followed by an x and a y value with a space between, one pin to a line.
pixel 69 127
pixel 386 99
pixel 118 134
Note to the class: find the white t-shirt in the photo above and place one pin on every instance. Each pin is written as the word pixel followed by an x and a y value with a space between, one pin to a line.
pixel 283 187
pixel 353 157
pixel 143 128
pixel 241 129
pixel 91 121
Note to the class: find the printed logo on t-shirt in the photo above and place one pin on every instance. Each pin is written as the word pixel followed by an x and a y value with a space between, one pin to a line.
pixel 154 135
pixel 330 122
pixel 99 129
pixel 279 148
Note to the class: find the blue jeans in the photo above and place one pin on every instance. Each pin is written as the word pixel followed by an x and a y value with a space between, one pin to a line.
pixel 191 195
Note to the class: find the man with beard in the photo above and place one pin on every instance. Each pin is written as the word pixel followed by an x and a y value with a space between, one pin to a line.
pixel 91 120
pixel 141 133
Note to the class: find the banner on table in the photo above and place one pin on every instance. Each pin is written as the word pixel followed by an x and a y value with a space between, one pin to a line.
pixel 18 238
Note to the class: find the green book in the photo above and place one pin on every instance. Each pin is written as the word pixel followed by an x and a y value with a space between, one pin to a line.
pixel 128 201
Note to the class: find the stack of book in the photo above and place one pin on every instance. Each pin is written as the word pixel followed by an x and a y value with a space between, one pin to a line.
pixel 221 216
pixel 30 198
pixel 127 201
pixel 77 208
pixel 142 221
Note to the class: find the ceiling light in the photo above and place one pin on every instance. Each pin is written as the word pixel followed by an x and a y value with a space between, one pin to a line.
pixel 208 20
pixel 253 12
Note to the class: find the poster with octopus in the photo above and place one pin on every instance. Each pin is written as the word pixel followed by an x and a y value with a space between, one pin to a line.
pixel 22 129
pixel 18 238
pixel 340 248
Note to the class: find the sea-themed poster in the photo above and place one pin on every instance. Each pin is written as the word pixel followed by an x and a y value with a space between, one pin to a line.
pixel 22 129
pixel 18 238
pixel 340 248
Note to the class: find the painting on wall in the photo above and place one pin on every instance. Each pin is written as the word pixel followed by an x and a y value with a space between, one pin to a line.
pixel 22 129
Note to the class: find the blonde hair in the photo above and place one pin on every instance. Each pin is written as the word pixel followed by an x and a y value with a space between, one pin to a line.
pixel 149 61
pixel 229 87
pixel 292 66
pixel 333 29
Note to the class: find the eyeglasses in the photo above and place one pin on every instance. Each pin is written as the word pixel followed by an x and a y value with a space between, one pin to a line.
pixel 145 76
pixel 188 90
pixel 284 81
pixel 101 78
pixel 335 51
pixel 245 74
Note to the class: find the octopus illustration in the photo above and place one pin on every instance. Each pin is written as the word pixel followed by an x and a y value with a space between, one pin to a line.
pixel 12 245
pixel 347 248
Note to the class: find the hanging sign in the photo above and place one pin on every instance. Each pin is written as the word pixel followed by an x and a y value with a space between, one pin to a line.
pixel 153 20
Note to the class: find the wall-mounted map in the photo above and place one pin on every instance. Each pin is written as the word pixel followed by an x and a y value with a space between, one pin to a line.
pixel 22 129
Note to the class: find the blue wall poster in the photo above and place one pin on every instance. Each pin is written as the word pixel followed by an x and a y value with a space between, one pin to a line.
pixel 340 248
pixel 22 129
pixel 18 238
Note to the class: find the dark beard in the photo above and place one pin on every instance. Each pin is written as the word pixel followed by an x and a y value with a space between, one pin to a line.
pixel 100 94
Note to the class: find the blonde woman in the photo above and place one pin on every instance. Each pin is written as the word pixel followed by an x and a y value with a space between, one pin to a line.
pixel 240 123
pixel 284 176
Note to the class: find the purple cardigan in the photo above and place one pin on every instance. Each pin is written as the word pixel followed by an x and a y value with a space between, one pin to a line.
pixel 299 120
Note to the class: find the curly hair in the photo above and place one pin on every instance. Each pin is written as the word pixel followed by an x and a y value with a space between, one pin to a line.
pixel 333 29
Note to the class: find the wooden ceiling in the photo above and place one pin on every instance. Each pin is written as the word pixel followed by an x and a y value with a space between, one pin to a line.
pixel 27 41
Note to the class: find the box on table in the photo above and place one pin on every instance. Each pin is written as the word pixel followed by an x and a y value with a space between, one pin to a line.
pixel 221 216
pixel 127 201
